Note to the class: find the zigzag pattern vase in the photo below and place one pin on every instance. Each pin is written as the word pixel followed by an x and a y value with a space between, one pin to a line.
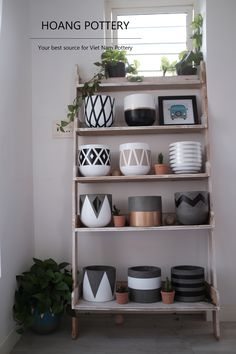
pixel 135 159
pixel 192 208
pixel 99 283
pixel 99 111
pixel 95 209
pixel 94 160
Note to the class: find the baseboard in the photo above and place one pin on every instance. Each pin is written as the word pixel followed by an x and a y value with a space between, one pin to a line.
pixel 8 343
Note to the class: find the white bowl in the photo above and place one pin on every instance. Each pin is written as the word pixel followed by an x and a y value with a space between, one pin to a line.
pixel 135 158
pixel 183 165
pixel 185 143
pixel 94 160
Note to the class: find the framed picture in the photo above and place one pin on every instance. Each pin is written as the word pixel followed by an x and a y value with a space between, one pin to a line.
pixel 174 110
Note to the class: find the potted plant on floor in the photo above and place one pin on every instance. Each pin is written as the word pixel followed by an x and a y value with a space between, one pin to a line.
pixel 167 292
pixel 122 295
pixel 43 294
pixel 118 219
pixel 160 167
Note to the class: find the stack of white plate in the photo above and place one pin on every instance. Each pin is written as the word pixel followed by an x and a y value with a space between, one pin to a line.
pixel 185 156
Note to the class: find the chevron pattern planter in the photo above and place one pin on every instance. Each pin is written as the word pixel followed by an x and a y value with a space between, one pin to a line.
pixel 94 160
pixel 95 209
pixel 192 208
pixel 99 111
pixel 99 283
pixel 188 282
pixel 135 158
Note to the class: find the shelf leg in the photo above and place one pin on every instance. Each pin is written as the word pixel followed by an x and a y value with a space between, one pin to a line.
pixel 75 325
pixel 216 324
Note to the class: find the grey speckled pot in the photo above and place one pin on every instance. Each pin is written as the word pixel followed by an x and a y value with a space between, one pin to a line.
pixel 192 208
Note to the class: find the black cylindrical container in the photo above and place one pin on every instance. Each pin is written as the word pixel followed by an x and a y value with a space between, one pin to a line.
pixel 188 282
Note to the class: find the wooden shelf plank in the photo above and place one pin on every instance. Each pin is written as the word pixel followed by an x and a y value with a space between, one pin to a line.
pixel 142 178
pixel 150 83
pixel 130 130
pixel 133 307
pixel 150 228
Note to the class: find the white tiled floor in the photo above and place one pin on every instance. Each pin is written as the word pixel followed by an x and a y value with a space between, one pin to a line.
pixel 148 334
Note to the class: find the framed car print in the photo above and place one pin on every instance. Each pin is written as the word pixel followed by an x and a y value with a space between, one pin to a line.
pixel 175 110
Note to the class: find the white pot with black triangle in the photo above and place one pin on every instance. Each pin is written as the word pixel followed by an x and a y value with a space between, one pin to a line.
pixel 99 283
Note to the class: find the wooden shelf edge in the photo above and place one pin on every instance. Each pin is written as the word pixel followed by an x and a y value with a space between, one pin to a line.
pixel 141 178
pixel 151 83
pixel 136 229
pixel 130 130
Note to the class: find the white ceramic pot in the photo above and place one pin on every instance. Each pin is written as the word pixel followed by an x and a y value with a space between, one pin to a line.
pixel 99 111
pixel 94 160
pixel 95 209
pixel 140 109
pixel 135 158
pixel 99 283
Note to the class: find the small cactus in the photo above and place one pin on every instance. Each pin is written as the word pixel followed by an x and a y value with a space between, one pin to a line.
pixel 115 210
pixel 167 287
pixel 160 158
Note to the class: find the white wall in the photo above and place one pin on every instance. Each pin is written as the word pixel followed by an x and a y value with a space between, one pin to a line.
pixel 221 58
pixel 16 207
pixel 54 87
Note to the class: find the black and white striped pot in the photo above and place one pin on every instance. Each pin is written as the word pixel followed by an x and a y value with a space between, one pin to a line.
pixel 145 211
pixel 192 208
pixel 144 284
pixel 95 209
pixel 188 282
pixel 94 160
pixel 99 111
pixel 99 283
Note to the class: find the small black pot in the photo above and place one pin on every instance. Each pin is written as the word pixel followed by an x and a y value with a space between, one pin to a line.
pixel 116 70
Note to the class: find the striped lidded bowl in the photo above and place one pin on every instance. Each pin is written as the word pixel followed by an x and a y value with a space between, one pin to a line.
pixel 144 283
pixel 188 282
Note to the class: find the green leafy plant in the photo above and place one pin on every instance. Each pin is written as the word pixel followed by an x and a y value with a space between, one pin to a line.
pixel 114 56
pixel 115 211
pixel 160 158
pixel 196 25
pixel 122 289
pixel 45 287
pixel 167 286
pixel 89 88
pixel 166 66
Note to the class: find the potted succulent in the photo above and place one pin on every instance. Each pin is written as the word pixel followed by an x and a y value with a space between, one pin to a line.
pixel 167 292
pixel 43 294
pixel 190 60
pixel 114 63
pixel 160 167
pixel 118 219
pixel 122 295
pixel 167 66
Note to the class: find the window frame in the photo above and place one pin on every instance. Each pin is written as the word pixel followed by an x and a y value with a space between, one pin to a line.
pixel 113 8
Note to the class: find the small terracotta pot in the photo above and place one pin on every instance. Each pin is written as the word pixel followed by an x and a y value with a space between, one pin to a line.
pixel 168 297
pixel 119 220
pixel 161 169
pixel 122 298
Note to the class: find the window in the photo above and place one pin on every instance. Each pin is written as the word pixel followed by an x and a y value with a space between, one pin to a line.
pixel 153 32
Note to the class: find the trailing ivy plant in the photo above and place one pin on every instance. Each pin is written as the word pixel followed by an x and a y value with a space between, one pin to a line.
pixel 89 88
